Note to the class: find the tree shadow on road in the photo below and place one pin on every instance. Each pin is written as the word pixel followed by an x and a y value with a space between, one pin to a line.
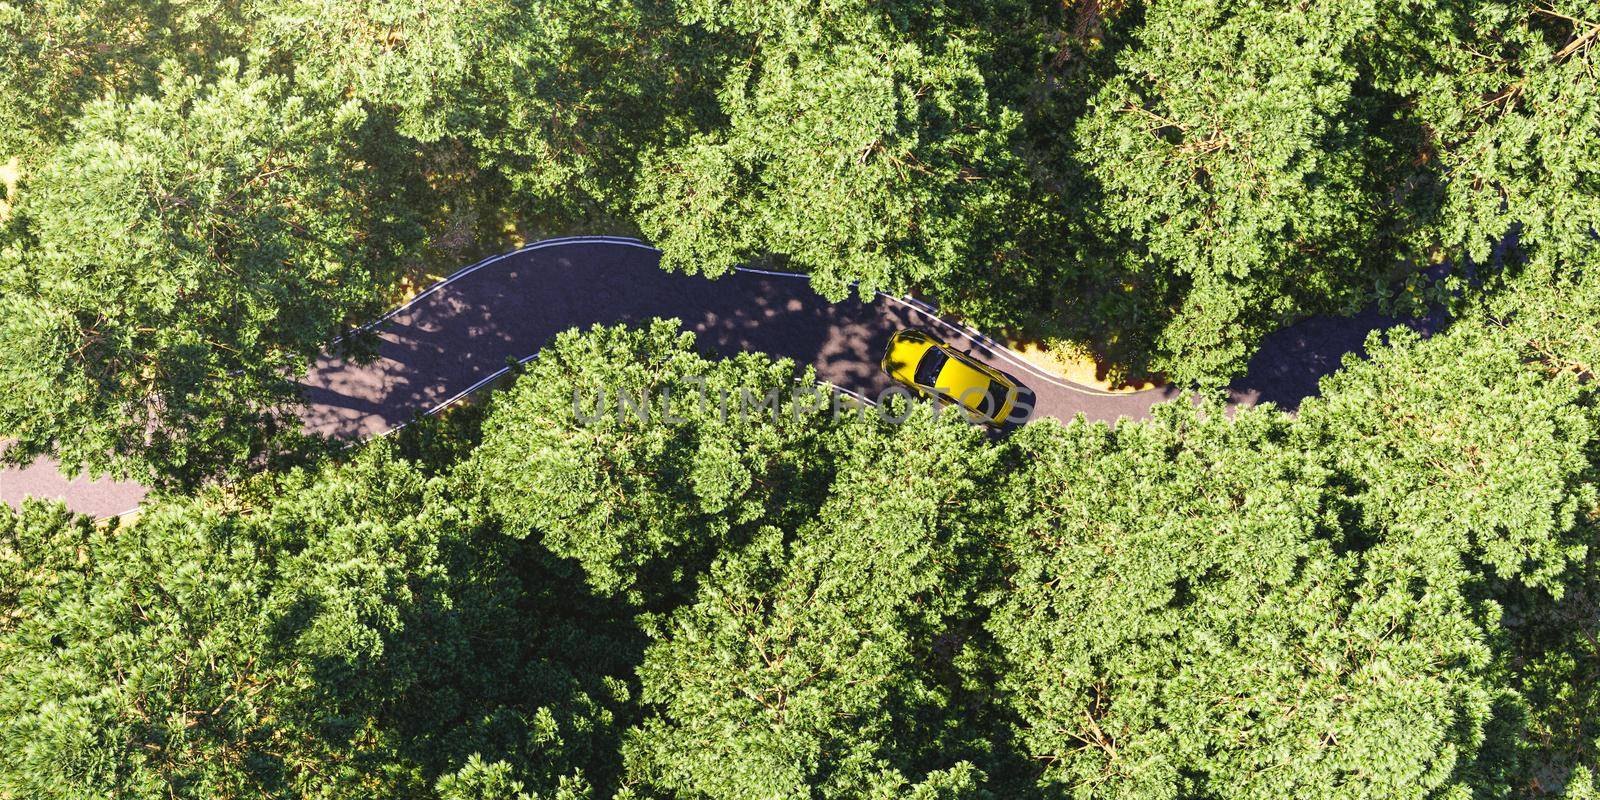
pixel 1292 361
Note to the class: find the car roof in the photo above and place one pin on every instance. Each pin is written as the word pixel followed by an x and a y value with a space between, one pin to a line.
pixel 958 376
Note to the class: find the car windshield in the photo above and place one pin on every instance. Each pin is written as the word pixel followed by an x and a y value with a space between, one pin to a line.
pixel 928 368
pixel 994 400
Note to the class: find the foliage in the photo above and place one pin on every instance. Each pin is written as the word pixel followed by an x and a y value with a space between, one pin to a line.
pixel 1508 91
pixel 548 107
pixel 1557 671
pixel 1553 310
pixel 353 636
pixel 1160 182
pixel 1515 115
pixel 580 451
pixel 817 663
pixel 1389 594
pixel 1179 622
pixel 1346 603
pixel 532 93
pixel 1456 447
pixel 857 141
pixel 248 199
pixel 1227 163
pixel 58 56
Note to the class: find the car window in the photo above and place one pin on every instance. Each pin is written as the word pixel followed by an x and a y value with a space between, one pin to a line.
pixel 928 368
pixel 995 399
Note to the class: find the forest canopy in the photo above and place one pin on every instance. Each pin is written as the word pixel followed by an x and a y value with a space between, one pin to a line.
pixel 517 601
pixel 1159 184
pixel 1390 593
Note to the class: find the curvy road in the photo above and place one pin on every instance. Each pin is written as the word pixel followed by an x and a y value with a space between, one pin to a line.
pixel 460 334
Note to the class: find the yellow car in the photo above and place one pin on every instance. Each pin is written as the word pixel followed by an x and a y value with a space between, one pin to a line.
pixel 935 370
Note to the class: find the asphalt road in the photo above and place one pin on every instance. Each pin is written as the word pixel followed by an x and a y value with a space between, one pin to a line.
pixel 462 333
pixel 459 335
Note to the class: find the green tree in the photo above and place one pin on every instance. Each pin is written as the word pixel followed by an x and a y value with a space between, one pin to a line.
pixel 581 452
pixel 1224 180
pixel 826 662
pixel 556 101
pixel 1457 447
pixel 167 274
pixel 1511 98
pixel 568 97
pixel 58 56
pixel 1467 461
pixel 410 56
pixel 1550 308
pixel 856 141
pixel 1178 622
pixel 1554 659
pixel 39 544
pixel 345 634
pixel 1231 605
pixel 132 666
pixel 1507 91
